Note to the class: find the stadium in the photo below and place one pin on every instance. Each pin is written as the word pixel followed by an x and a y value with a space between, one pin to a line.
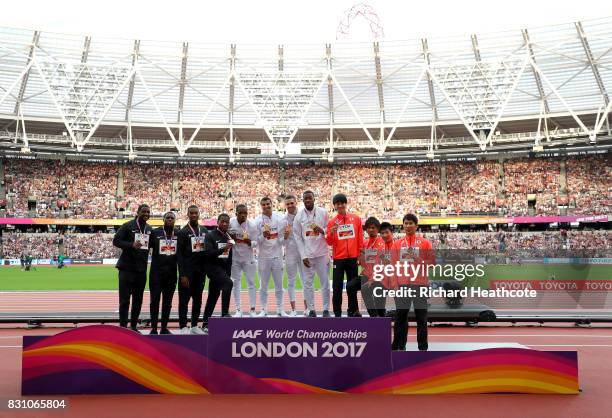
pixel 498 142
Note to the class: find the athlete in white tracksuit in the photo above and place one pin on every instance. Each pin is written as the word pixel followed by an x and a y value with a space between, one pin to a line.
pixel 244 233
pixel 271 232
pixel 293 260
pixel 309 232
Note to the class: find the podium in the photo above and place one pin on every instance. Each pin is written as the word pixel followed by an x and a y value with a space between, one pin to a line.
pixel 281 356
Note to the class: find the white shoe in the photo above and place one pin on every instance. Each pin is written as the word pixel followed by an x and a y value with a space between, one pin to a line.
pixel 252 313
pixel 198 331
pixel 184 331
pixel 293 313
pixel 282 313
pixel 263 313
pixel 238 314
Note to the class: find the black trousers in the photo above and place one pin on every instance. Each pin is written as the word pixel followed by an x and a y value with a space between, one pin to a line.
pixel 219 284
pixel 162 282
pixel 375 305
pixel 349 267
pixel 131 288
pixel 193 293
pixel 400 326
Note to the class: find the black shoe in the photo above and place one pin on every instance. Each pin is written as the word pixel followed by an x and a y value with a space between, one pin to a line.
pixel 135 330
pixel 337 314
pixel 226 316
pixel 355 314
pixel 326 314
pixel 424 348
pixel 165 331
pixel 153 332
pixel 312 314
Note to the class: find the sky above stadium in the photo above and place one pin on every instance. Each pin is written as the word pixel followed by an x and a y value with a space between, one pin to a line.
pixel 279 21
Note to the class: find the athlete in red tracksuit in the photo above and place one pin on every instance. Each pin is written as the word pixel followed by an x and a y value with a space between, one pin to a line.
pixel 413 249
pixel 345 235
pixel 375 251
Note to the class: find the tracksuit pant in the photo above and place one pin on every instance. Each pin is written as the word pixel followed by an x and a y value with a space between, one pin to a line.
pixel 375 305
pixel 162 283
pixel 320 266
pixel 131 286
pixel 193 293
pixel 293 264
pixel 249 268
pixel 219 284
pixel 400 326
pixel 349 267
pixel 270 267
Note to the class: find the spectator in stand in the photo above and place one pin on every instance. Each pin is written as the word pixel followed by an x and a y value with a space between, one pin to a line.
pixel 32 179
pixel 415 188
pixel 201 185
pixel 148 183
pixel 539 176
pixel 472 186
pixel 589 186
pixel 91 189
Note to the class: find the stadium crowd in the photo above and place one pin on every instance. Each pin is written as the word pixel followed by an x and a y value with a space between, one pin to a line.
pixel 539 177
pixel 472 187
pixel 589 184
pixel 202 185
pixel 99 245
pixel 387 191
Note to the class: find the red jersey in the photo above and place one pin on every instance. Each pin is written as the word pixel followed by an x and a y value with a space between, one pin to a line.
pixel 416 250
pixel 347 242
pixel 371 249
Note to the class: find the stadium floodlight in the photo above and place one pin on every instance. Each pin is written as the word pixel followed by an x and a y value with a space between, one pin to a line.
pixel 430 155
pixel 25 150
pixel 538 148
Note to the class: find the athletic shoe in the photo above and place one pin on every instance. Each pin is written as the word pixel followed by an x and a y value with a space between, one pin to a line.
pixel 205 330
pixel 165 331
pixel 282 313
pixel 312 314
pixel 293 313
pixel 197 331
pixel 252 313
pixel 184 331
pixel 153 332
pixel 355 314
pixel 135 330
pixel 238 314
pixel 227 316
pixel 263 313
pixel 326 314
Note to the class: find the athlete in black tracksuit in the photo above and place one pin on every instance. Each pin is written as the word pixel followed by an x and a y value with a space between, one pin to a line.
pixel 132 265
pixel 218 256
pixel 162 276
pixel 190 261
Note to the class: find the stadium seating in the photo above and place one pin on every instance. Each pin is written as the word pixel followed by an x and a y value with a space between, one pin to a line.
pixel 388 191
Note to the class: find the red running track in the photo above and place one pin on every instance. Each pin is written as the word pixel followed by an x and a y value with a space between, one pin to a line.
pixel 107 301
pixel 594 346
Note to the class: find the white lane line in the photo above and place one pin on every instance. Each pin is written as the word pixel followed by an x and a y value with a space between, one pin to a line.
pixel 10 346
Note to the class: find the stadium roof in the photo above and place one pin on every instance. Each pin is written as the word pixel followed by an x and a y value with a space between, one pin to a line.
pixel 468 95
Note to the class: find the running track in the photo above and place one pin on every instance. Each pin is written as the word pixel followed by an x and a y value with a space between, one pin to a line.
pixel 107 301
pixel 593 344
